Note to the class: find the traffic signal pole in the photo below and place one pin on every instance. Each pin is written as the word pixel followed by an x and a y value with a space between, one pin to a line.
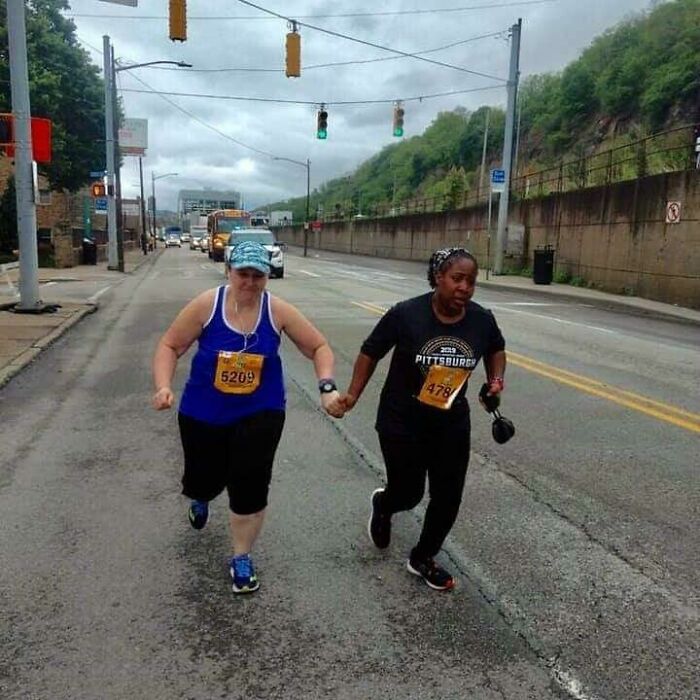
pixel 508 147
pixel 24 181
pixel 112 256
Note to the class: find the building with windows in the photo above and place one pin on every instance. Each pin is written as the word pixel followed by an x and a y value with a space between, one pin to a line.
pixel 205 201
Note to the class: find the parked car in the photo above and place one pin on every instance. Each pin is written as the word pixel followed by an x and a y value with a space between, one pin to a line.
pixel 260 235
pixel 172 240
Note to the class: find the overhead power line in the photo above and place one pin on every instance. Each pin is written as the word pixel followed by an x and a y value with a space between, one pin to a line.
pixel 337 63
pixel 370 43
pixel 191 115
pixel 275 100
pixel 344 15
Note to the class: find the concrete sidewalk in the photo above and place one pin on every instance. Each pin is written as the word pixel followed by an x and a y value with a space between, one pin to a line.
pixel 626 304
pixel 24 336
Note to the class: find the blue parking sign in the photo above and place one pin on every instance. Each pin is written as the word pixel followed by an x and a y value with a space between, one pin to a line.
pixel 101 204
pixel 498 180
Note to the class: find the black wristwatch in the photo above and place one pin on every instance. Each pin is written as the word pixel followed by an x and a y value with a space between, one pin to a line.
pixel 325 386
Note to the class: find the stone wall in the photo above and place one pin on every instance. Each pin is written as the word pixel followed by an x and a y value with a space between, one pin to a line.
pixel 615 238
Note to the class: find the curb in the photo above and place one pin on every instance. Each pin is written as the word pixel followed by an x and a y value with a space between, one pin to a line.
pixel 29 355
pixel 611 304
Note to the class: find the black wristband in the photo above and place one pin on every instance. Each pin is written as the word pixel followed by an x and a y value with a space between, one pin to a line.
pixel 325 386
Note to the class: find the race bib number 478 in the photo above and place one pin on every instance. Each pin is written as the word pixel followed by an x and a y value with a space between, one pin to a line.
pixel 238 372
pixel 441 386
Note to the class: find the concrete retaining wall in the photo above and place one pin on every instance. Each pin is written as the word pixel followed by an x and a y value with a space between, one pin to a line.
pixel 613 237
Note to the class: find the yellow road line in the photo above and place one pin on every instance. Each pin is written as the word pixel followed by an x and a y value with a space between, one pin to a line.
pixel 650 407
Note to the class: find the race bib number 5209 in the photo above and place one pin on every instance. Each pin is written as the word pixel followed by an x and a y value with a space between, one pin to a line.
pixel 238 372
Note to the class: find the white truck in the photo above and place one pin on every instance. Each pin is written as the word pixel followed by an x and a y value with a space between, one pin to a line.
pixel 281 218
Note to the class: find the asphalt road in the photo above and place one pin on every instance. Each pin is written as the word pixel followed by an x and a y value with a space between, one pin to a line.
pixel 576 548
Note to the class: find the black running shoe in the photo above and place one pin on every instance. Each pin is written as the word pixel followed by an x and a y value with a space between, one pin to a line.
pixel 379 524
pixel 435 576
pixel 198 514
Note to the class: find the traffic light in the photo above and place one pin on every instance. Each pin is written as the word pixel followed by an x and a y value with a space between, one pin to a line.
pixel 97 189
pixel 322 123
pixel 178 20
pixel 398 119
pixel 293 56
pixel 6 129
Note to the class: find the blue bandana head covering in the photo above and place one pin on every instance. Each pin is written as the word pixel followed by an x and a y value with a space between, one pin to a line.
pixel 250 254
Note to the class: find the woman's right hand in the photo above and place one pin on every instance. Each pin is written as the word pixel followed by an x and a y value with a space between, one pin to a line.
pixel 163 399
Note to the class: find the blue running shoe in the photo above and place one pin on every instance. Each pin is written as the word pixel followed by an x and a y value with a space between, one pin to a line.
pixel 198 514
pixel 243 574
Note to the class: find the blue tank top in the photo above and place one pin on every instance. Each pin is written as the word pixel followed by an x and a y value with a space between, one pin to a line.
pixel 202 400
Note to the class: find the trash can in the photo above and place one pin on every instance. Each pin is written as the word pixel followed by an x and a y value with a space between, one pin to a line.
pixel 89 252
pixel 543 265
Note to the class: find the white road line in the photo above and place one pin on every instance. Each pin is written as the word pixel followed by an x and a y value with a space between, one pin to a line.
pixel 48 284
pixel 97 295
pixel 310 274
pixel 500 307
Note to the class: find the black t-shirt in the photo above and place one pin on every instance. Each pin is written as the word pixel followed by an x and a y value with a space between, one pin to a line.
pixel 420 340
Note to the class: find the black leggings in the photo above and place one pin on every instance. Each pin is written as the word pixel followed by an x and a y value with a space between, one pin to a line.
pixel 445 460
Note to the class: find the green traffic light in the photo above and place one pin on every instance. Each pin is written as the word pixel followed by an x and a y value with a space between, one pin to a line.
pixel 321 134
pixel 398 131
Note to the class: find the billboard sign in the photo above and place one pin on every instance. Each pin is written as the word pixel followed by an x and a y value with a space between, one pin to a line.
pixel 133 137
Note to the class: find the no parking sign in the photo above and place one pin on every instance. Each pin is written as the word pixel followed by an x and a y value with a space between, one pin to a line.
pixel 673 212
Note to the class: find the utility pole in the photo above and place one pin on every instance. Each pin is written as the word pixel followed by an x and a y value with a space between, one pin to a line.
pixel 144 235
pixel 308 195
pixel 24 179
pixel 112 261
pixel 483 152
pixel 117 169
pixel 508 146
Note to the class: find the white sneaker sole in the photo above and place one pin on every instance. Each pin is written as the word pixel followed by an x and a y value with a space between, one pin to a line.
pixel 247 589
pixel 427 583
pixel 371 513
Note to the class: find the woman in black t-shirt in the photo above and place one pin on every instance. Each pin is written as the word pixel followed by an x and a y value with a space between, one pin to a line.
pixel 423 418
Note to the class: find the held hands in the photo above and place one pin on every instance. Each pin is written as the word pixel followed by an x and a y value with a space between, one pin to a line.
pixel 163 399
pixel 337 405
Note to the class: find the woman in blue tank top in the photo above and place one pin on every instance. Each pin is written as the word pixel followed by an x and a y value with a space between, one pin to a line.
pixel 233 406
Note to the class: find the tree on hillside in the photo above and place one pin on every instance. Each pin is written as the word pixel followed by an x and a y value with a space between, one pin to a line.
pixel 64 86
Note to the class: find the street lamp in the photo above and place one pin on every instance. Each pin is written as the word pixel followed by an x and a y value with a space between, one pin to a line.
pixel 155 177
pixel 306 165
pixel 115 249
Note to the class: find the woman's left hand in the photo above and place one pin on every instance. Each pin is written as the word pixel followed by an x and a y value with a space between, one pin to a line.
pixel 496 386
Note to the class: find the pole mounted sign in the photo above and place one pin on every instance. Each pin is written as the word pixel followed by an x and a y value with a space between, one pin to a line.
pixel 133 137
pixel 498 180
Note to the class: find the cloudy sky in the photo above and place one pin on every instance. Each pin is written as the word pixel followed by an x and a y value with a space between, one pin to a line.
pixel 197 137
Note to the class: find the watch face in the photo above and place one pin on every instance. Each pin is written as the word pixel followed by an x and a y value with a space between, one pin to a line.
pixel 327 387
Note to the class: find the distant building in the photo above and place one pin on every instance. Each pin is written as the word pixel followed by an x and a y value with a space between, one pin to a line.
pixel 206 201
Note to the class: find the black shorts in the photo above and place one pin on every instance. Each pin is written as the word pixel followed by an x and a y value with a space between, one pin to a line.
pixel 235 457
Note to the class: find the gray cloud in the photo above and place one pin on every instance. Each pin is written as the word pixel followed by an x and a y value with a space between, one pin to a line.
pixel 554 33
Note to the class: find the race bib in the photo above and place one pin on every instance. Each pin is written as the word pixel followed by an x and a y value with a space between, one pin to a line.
pixel 442 385
pixel 238 372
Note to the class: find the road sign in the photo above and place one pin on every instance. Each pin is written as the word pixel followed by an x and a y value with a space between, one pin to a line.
pixel 97 173
pixel 498 180
pixel 673 212
pixel 101 204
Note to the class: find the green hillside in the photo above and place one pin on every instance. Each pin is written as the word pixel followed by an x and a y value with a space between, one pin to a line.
pixel 639 78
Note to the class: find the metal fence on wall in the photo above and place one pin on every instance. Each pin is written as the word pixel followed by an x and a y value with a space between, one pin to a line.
pixel 663 152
